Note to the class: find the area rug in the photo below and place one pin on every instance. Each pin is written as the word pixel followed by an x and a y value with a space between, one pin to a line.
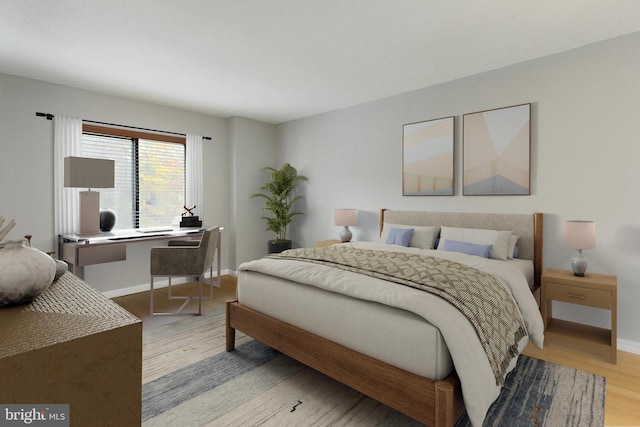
pixel 256 385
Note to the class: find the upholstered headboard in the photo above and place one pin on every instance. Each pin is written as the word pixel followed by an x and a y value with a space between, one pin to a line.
pixel 528 227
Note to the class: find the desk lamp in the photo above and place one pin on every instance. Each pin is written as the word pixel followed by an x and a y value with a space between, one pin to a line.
pixel 86 172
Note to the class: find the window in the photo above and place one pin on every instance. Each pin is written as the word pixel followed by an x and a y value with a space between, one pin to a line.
pixel 149 175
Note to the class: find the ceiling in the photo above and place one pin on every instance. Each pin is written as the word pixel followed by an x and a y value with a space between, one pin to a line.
pixel 279 60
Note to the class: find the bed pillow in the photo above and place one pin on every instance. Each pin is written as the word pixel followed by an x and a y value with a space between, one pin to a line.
pixel 467 248
pixel 512 252
pixel 399 236
pixel 423 236
pixel 498 239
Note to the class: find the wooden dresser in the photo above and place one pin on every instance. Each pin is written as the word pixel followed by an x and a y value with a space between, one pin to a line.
pixel 74 346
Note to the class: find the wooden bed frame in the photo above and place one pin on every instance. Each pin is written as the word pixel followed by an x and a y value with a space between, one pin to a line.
pixel 435 403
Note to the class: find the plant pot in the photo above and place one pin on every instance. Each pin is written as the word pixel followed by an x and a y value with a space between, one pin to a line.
pixel 277 246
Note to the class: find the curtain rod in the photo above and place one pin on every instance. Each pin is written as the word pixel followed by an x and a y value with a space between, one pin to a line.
pixel 49 116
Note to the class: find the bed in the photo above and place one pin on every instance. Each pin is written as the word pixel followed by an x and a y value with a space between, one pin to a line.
pixel 389 344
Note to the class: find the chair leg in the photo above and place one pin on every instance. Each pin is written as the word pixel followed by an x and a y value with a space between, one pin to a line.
pixel 200 294
pixel 210 283
pixel 186 299
pixel 151 297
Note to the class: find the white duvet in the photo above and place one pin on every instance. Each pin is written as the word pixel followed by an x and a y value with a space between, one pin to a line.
pixel 472 366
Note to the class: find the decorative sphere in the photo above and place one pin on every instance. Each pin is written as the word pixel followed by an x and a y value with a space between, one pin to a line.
pixel 107 219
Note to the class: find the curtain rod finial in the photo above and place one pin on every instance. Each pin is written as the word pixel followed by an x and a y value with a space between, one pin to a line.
pixel 48 116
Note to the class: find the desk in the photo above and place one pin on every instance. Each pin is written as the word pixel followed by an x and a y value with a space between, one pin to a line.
pixel 71 345
pixel 80 250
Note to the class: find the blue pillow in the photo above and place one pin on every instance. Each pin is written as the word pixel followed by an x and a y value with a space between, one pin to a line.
pixel 467 248
pixel 400 236
pixel 516 252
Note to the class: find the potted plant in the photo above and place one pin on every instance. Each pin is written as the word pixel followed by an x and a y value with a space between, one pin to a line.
pixel 279 200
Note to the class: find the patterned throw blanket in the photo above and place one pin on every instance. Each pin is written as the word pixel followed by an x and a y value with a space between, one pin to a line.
pixel 480 296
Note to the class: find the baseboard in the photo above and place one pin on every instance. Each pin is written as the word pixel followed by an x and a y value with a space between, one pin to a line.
pixel 629 346
pixel 157 284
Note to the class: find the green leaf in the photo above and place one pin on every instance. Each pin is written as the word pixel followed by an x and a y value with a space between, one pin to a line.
pixel 279 198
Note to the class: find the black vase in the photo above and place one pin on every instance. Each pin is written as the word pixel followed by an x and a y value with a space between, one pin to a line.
pixel 277 246
pixel 107 219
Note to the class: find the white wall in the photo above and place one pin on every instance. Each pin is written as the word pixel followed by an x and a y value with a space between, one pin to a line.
pixel 253 147
pixel 585 160
pixel 26 163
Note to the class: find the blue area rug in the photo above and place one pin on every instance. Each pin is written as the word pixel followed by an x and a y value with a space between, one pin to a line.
pixel 179 386
pixel 539 393
pixel 256 385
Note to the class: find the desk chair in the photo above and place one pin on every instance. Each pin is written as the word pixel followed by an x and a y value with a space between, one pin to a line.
pixel 184 258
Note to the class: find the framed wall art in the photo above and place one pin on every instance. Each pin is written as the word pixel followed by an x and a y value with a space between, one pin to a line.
pixel 497 151
pixel 427 158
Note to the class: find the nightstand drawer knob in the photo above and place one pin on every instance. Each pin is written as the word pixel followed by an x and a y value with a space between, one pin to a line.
pixel 575 295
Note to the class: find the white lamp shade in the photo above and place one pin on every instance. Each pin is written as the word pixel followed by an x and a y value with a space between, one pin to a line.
pixel 580 234
pixel 87 172
pixel 346 217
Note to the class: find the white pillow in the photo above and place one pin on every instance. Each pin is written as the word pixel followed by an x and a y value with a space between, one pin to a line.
pixel 423 236
pixel 512 246
pixel 499 239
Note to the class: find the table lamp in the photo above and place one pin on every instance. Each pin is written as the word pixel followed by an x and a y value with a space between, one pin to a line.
pixel 86 172
pixel 345 218
pixel 579 235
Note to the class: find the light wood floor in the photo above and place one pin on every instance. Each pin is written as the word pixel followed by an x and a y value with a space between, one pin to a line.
pixel 623 379
pixel 138 304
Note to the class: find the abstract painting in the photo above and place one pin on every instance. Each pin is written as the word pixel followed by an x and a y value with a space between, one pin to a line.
pixel 427 158
pixel 496 151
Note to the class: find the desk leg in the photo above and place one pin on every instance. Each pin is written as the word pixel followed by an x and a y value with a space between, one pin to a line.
pixel 78 271
pixel 60 242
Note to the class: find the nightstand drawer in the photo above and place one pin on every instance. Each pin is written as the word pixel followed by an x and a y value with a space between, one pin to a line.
pixel 579 295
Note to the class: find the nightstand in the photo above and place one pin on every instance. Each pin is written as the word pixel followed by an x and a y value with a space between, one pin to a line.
pixel 593 290
pixel 323 243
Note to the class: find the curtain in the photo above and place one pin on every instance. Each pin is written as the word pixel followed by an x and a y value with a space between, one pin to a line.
pixel 194 177
pixel 67 141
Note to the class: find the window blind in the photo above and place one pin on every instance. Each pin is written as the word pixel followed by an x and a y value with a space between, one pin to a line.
pixel 161 182
pixel 149 186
